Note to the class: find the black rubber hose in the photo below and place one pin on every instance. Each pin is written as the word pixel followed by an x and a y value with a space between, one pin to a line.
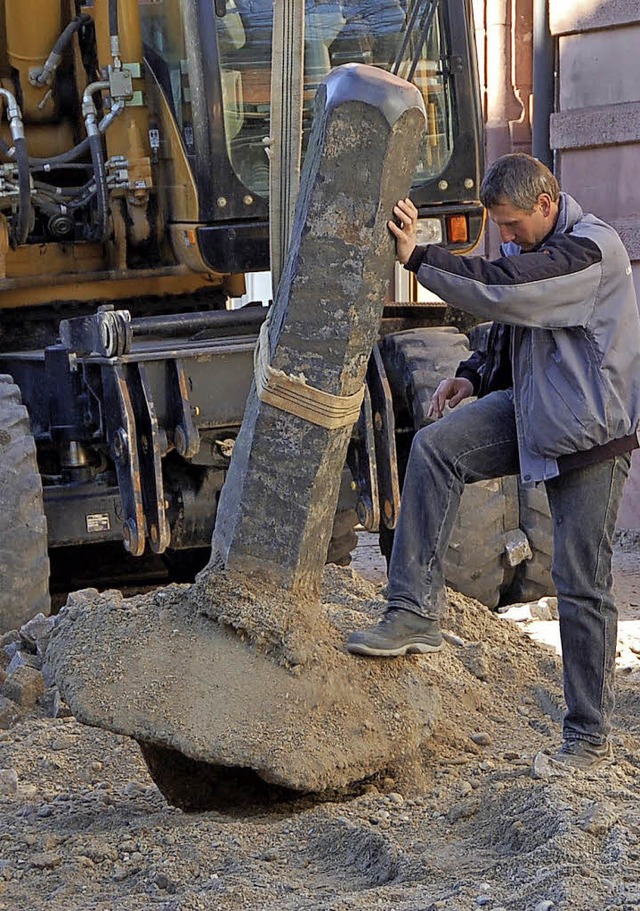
pixel 68 33
pixel 55 160
pixel 69 166
pixel 65 158
pixel 98 232
pixel 23 220
pixel 62 194
pixel 113 18
pixel 70 205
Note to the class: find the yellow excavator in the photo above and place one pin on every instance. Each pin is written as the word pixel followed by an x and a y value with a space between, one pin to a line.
pixel 145 148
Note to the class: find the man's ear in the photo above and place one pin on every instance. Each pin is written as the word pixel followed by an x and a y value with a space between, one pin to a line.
pixel 545 202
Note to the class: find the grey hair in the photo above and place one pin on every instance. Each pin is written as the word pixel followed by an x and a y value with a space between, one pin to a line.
pixel 518 179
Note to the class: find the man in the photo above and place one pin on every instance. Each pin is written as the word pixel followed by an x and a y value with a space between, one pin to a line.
pixel 558 401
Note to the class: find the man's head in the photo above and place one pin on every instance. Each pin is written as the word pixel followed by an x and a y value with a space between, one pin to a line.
pixel 521 195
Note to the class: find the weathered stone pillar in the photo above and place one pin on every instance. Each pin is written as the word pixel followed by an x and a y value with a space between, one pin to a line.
pixel 276 508
pixel 247 669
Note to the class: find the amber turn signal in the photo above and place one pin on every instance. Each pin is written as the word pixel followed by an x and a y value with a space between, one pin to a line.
pixel 457 229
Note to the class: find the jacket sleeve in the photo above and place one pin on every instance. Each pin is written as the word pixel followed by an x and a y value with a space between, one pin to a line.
pixel 554 287
pixel 472 369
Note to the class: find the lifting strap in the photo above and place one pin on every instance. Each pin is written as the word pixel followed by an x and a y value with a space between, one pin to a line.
pixel 295 396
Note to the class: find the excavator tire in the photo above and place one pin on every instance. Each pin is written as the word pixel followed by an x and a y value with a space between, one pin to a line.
pixel 532 578
pixel 474 563
pixel 415 361
pixel 24 563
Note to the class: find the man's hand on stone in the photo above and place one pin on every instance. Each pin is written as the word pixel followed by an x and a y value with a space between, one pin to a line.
pixel 453 391
pixel 403 227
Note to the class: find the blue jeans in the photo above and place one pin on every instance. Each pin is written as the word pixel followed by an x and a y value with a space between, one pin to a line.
pixel 478 441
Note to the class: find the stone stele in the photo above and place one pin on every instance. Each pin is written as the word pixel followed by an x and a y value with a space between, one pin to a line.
pixel 246 669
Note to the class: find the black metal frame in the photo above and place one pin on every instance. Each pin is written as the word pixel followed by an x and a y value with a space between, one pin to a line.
pixel 468 157
pixel 168 389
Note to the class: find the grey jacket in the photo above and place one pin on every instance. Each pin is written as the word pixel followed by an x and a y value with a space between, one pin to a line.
pixel 575 341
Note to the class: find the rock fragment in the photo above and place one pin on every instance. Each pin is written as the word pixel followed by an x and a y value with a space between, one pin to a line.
pixel 8 782
pixel 24 686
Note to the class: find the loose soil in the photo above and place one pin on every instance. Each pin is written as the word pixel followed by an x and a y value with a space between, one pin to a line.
pixel 84 828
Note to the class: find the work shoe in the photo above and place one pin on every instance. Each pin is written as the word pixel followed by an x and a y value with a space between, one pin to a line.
pixel 580 754
pixel 400 632
pixel 573 755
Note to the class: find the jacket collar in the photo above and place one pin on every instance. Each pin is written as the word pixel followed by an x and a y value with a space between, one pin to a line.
pixel 569 212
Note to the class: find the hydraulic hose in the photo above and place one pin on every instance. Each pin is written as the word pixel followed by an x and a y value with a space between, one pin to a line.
pixel 23 221
pixel 58 200
pixel 45 77
pixel 61 192
pixel 21 225
pixel 82 147
pixel 113 32
pixel 98 185
pixel 113 18
pixel 98 232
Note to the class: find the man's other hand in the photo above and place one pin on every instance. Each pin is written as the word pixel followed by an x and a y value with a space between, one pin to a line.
pixel 403 227
pixel 453 391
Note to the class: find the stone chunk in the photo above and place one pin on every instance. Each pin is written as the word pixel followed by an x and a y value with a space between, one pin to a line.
pixel 35 634
pixel 8 782
pixel 9 713
pixel 23 686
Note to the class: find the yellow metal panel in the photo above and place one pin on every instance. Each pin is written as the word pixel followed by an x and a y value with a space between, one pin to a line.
pixel 34 290
pixel 33 27
pixel 135 120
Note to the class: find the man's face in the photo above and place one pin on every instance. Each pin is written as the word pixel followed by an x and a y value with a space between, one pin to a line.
pixel 526 229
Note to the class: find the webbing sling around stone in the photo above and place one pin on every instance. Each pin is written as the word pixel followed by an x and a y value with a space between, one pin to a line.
pixel 295 396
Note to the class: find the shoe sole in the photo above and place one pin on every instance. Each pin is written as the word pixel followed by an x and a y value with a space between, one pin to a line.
pixel 412 648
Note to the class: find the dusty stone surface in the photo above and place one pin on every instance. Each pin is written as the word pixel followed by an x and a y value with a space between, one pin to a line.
pixel 87 830
pixel 322 325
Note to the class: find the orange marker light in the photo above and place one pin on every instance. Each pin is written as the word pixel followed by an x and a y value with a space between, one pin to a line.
pixel 457 229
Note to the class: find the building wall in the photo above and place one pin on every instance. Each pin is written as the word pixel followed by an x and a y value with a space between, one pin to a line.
pixel 595 131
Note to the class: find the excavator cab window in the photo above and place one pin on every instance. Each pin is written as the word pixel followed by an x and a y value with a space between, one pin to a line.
pixel 212 61
pixel 165 51
pixel 384 33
